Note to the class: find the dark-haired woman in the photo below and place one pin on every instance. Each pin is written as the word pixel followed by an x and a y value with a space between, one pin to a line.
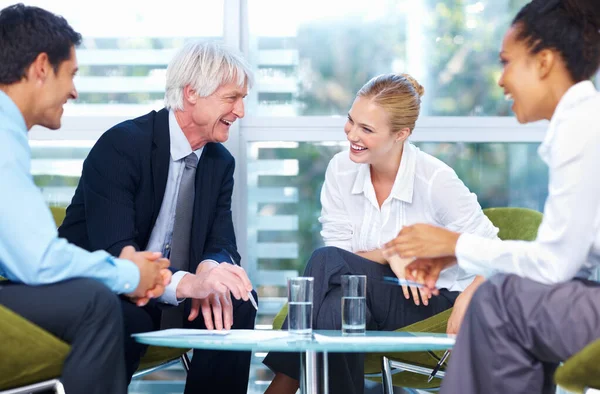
pixel 540 310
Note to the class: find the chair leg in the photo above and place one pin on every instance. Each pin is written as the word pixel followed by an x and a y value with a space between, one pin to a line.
pixel 386 375
pixel 59 388
pixel 185 361
pixel 53 384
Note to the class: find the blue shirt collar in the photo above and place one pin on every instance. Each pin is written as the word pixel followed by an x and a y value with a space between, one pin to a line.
pixel 10 110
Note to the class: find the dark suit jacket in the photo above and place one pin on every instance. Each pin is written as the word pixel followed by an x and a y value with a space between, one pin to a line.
pixel 122 187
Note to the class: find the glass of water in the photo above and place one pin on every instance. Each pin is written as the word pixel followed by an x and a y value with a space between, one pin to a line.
pixel 354 304
pixel 300 305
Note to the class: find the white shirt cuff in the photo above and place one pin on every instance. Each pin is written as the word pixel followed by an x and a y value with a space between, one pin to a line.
pixel 214 261
pixel 470 257
pixel 170 294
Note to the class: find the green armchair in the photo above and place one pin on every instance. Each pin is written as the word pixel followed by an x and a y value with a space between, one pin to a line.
pixel 31 355
pixel 414 368
pixel 581 372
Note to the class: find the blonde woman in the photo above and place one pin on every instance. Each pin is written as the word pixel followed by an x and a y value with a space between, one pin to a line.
pixel 370 192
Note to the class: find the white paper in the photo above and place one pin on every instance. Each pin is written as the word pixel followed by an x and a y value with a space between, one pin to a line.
pixel 244 335
pixel 179 332
pixel 258 335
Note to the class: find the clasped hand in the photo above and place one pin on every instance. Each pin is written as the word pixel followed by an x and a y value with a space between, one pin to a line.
pixel 154 274
pixel 398 266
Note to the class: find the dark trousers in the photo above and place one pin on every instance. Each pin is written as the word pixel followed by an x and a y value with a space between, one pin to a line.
pixel 211 371
pixel 387 310
pixel 85 314
pixel 516 332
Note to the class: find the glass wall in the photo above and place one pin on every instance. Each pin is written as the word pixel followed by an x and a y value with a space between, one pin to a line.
pixel 313 62
pixel 56 168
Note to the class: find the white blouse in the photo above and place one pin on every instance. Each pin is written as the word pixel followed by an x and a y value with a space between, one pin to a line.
pixel 568 240
pixel 425 191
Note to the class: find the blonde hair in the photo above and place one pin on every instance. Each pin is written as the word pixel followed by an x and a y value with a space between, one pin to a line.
pixel 399 95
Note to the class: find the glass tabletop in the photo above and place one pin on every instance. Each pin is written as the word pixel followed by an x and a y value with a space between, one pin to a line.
pixel 282 341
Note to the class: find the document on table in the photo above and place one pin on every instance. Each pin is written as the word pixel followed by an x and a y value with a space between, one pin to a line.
pixel 179 332
pixel 245 335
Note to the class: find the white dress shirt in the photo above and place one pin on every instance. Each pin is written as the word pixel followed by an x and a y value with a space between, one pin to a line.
pixel 568 240
pixel 425 191
pixel 162 232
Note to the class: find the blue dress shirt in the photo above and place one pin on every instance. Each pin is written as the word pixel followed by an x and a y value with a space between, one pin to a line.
pixel 30 250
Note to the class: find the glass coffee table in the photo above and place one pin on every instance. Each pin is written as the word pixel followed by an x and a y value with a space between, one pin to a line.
pixel 320 341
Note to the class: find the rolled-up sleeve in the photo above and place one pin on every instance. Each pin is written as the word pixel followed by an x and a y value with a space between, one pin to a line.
pixel 571 215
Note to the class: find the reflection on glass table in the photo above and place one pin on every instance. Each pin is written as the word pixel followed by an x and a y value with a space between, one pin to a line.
pixel 321 341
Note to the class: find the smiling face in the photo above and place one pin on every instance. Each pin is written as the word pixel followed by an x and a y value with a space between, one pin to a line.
pixel 54 90
pixel 212 116
pixel 369 133
pixel 521 79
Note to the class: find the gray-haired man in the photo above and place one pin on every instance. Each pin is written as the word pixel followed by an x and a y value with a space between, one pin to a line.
pixel 163 182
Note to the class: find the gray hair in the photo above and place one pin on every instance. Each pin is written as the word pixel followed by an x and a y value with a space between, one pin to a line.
pixel 204 66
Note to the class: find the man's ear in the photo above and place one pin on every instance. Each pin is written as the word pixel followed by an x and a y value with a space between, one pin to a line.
pixel 546 60
pixel 403 134
pixel 39 69
pixel 190 95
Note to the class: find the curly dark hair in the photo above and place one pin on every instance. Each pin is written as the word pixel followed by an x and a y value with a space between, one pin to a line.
pixel 25 32
pixel 570 27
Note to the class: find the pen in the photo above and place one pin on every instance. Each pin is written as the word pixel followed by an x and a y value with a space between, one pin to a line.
pixel 401 282
pixel 438 366
pixel 250 296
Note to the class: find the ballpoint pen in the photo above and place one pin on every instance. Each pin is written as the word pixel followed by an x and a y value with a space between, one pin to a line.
pixel 401 282
pixel 250 296
pixel 438 366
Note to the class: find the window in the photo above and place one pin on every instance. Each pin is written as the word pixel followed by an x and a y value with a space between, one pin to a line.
pixel 312 62
pixel 126 48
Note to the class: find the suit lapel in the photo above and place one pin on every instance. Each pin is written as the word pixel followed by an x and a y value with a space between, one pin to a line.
pixel 161 155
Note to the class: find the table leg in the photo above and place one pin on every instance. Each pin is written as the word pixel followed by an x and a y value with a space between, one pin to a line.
pixel 325 373
pixel 308 373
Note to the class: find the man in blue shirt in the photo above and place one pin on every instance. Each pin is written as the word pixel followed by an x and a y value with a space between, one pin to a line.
pixel 56 285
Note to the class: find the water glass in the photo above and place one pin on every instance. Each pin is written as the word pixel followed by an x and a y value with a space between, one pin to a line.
pixel 300 305
pixel 354 304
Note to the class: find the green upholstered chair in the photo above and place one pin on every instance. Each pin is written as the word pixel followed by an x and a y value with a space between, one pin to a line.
pixel 31 355
pixel 581 372
pixel 514 223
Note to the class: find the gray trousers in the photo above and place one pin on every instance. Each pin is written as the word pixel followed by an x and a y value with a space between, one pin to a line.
pixel 85 314
pixel 515 333
pixel 387 309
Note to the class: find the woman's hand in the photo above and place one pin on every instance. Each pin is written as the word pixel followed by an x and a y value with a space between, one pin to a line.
pixel 398 265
